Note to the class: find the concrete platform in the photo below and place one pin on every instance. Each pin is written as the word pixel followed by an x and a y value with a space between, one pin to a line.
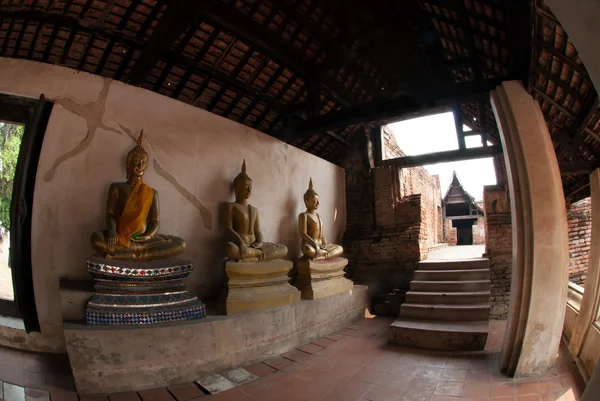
pixel 108 359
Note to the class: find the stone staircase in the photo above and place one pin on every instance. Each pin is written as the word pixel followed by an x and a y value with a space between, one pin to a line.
pixel 447 307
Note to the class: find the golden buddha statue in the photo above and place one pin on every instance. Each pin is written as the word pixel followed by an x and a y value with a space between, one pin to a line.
pixel 314 244
pixel 242 227
pixel 133 217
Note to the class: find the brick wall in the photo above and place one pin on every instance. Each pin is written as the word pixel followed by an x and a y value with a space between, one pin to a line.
pixel 498 248
pixel 393 216
pixel 479 231
pixel 416 180
pixel 579 215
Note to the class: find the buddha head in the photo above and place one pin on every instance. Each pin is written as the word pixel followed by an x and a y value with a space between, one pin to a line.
pixel 311 197
pixel 137 159
pixel 242 184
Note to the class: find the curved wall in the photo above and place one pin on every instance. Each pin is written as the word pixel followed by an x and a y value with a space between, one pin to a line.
pixel 194 156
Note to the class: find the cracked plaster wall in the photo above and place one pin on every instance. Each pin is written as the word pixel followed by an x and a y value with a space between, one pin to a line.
pixel 194 156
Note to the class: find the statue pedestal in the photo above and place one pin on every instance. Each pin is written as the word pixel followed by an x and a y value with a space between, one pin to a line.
pixel 319 278
pixel 254 286
pixel 141 292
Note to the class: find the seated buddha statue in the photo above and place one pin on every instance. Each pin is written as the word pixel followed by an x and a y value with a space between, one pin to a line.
pixel 133 217
pixel 242 227
pixel 314 244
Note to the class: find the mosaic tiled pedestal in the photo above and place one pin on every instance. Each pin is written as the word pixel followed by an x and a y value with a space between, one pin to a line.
pixel 322 277
pixel 141 292
pixel 254 286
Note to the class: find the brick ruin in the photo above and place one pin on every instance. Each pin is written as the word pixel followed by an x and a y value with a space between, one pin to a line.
pixel 393 217
pixel 579 216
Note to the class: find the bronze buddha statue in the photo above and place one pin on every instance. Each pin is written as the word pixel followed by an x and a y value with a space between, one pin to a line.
pixel 133 217
pixel 314 245
pixel 242 227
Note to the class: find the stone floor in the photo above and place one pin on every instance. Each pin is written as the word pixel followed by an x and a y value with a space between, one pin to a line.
pixel 354 364
pixel 457 252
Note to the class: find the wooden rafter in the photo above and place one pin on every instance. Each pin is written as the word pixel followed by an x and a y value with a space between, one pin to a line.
pixel 378 110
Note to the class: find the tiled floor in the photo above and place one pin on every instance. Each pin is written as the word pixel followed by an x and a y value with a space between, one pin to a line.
pixel 357 364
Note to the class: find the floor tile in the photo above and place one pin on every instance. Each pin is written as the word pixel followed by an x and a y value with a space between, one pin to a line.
pixel 476 389
pixel 277 362
pixel 260 369
pixel 426 372
pixel 13 392
pixel 415 395
pixel 215 384
pixel 310 348
pixel 549 385
pixel 445 387
pixel 528 387
pixel 123 396
pixel 425 385
pixel 297 356
pixel 323 342
pixel 368 376
pixel 34 379
pixel 403 369
pixel 61 395
pixel 455 374
pixel 395 381
pixel 93 397
pixel 503 390
pixel 13 375
pixel 186 392
pixel 378 393
pixel 335 337
pixel 239 376
pixel 155 394
pixel 530 397
pixel 36 395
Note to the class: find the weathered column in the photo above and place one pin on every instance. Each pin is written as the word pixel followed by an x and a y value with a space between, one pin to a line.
pixel 539 234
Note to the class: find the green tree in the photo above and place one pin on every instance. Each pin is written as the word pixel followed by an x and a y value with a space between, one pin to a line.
pixel 10 142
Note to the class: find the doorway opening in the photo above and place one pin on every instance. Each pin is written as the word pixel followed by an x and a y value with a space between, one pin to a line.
pixel 11 136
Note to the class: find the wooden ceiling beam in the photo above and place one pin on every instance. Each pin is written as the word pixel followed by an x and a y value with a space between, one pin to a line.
pixel 175 20
pixel 458 125
pixel 263 39
pixel 422 99
pixel 443 157
pixel 72 23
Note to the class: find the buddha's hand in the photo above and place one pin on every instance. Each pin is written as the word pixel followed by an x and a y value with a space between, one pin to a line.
pixel 243 249
pixel 111 242
pixel 140 238
pixel 257 245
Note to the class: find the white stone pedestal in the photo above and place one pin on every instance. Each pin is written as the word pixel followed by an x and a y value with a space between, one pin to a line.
pixel 322 277
pixel 254 286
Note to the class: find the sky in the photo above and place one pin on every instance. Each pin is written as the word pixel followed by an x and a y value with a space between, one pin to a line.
pixel 437 133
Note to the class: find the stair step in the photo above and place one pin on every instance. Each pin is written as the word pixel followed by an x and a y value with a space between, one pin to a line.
pixel 435 334
pixel 466 297
pixel 478 263
pixel 445 312
pixel 450 286
pixel 452 275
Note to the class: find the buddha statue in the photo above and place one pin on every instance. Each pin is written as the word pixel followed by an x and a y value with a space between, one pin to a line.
pixel 133 217
pixel 314 244
pixel 242 227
